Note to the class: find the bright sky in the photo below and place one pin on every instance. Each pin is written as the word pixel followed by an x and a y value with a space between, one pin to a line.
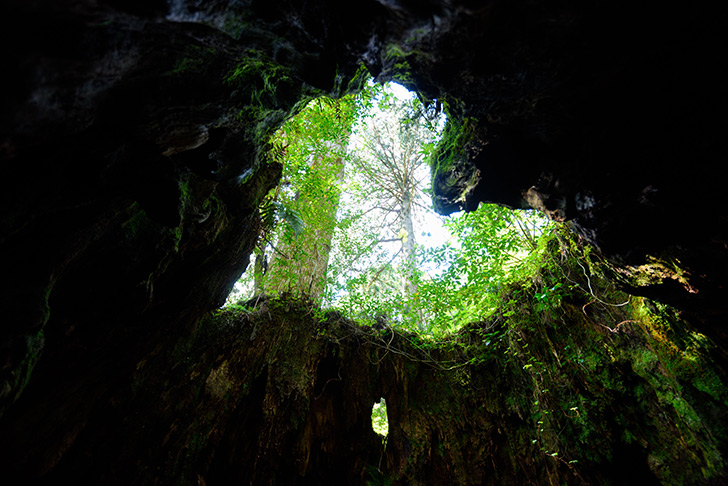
pixel 435 232
pixel 429 230
pixel 400 91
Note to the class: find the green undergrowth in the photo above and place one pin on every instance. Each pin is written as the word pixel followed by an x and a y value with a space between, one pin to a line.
pixel 461 280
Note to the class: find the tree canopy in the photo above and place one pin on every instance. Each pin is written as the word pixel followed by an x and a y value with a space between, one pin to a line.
pixel 343 227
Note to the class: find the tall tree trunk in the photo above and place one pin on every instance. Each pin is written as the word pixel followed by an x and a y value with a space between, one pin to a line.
pixel 259 268
pixel 315 144
pixel 411 289
pixel 299 265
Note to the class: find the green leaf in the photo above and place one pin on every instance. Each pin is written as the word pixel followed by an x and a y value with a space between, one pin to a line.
pixel 290 216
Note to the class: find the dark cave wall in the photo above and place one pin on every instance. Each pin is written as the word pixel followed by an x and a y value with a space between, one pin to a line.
pixel 133 160
pixel 606 114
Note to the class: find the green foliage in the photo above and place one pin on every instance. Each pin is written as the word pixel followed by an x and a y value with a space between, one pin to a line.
pixel 596 372
pixel 463 280
pixel 490 249
pixel 515 309
pixel 292 217
pixel 299 215
pixel 360 81
pixel 262 78
pixel 590 382
pixel 380 422
pixel 374 268
pixel 377 270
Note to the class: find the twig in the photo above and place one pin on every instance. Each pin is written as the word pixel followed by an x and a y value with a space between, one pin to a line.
pixel 338 378
pixel 616 329
pixel 376 276
pixel 591 291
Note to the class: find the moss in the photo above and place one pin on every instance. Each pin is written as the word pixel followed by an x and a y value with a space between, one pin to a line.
pixel 708 382
pixel 400 59
pixel 376 478
pixel 581 392
pixel 235 24
pixel 657 270
pixel 452 175
pixel 195 60
pixel 266 95
pixel 188 64
pixel 359 80
pixel 34 345
pixel 266 82
pixel 138 222
pixel 592 378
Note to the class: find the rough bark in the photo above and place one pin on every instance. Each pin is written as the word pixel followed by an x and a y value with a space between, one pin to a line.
pixel 299 262
pixel 316 144
pixel 410 262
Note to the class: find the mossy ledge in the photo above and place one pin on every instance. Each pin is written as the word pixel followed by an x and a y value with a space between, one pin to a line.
pixel 581 384
pixel 574 384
